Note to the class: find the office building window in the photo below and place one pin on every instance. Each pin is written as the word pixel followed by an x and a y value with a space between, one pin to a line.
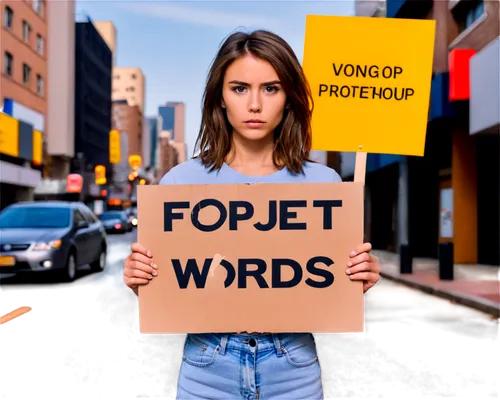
pixel 9 61
pixel 37 6
pixel 8 17
pixel 26 73
pixel 39 44
pixel 26 31
pixel 469 13
pixel 39 85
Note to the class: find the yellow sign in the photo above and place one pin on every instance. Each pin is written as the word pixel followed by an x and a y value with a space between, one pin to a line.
pixel 114 147
pixel 135 161
pixel 100 175
pixel 9 135
pixel 370 79
pixel 37 147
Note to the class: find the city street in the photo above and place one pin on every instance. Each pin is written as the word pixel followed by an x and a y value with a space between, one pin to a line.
pixel 81 341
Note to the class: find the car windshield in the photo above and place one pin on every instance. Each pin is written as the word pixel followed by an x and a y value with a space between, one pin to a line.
pixel 110 215
pixel 35 217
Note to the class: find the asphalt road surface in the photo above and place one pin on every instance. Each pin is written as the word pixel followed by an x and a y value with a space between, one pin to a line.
pixel 81 340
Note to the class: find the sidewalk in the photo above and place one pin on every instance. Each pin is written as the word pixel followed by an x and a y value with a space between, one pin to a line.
pixel 476 286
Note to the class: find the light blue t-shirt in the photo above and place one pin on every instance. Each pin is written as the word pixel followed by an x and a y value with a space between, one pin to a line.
pixel 193 172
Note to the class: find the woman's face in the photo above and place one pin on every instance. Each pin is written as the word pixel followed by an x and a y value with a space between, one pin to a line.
pixel 253 98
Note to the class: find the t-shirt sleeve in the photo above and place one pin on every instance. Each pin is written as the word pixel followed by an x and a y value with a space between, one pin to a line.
pixel 336 177
pixel 168 178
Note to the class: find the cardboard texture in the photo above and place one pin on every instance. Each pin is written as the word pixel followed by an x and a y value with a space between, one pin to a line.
pixel 244 306
pixel 371 92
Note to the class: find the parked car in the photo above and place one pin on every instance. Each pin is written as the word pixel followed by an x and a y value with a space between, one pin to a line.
pixel 116 222
pixel 53 236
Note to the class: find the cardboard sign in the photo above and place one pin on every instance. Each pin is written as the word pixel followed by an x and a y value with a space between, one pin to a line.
pixel 370 79
pixel 254 258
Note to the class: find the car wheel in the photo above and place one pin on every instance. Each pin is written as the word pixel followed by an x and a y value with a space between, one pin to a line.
pixel 70 272
pixel 100 263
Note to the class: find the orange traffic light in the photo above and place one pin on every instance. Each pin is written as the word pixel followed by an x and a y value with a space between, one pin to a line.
pixel 135 161
pixel 100 174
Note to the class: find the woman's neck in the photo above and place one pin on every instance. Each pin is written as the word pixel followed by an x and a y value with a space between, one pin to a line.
pixel 251 157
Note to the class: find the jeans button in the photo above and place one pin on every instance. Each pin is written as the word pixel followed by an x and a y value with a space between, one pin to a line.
pixel 252 342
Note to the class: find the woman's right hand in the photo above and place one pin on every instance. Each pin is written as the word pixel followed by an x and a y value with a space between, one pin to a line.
pixel 139 268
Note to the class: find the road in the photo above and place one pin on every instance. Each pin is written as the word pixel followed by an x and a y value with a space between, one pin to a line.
pixel 81 341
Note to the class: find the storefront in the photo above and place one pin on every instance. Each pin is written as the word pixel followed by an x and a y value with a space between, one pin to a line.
pixel 484 128
pixel 20 160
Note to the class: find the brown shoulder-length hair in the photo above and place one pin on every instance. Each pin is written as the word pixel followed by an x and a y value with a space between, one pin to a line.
pixel 292 137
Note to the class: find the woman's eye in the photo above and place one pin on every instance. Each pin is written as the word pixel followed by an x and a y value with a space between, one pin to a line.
pixel 271 89
pixel 239 89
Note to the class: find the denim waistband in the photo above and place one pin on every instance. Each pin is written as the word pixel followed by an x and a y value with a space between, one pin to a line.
pixel 263 342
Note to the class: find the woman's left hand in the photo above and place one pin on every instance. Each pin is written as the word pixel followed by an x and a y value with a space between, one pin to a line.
pixel 362 266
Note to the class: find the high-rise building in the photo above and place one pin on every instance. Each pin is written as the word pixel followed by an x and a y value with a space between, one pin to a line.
pixel 173 116
pixel 167 154
pixel 61 98
pixel 23 98
pixel 128 119
pixel 93 66
pixel 107 31
pixel 154 124
pixel 173 120
pixel 146 143
pixel 129 84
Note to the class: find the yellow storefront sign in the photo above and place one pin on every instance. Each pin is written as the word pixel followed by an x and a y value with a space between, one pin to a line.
pixel 9 135
pixel 370 79
pixel 114 147
pixel 37 147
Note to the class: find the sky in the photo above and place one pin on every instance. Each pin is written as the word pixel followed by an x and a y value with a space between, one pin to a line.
pixel 174 42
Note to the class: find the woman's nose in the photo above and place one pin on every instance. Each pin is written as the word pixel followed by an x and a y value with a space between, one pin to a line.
pixel 255 103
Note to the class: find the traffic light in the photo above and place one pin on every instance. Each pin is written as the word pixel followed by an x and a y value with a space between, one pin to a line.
pixel 100 174
pixel 114 147
pixel 142 181
pixel 135 161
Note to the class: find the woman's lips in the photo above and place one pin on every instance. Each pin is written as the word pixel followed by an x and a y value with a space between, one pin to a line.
pixel 254 123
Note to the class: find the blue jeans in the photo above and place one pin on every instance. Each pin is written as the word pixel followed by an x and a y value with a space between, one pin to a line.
pixel 257 367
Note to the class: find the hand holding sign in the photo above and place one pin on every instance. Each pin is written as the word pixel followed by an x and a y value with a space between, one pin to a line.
pixel 139 268
pixel 363 266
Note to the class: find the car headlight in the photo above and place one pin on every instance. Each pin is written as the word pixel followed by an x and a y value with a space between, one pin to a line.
pixel 53 244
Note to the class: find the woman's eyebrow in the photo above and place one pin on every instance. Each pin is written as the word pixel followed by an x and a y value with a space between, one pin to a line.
pixel 263 84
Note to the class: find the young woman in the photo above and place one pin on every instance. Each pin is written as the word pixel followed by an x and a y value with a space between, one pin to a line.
pixel 255 128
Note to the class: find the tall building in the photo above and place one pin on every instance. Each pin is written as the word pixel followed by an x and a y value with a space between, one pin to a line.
pixel 129 84
pixel 107 31
pixel 121 170
pixel 167 154
pixel 146 143
pixel 61 97
pixel 154 124
pixel 23 98
pixel 93 66
pixel 128 119
pixel 451 194
pixel 173 117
